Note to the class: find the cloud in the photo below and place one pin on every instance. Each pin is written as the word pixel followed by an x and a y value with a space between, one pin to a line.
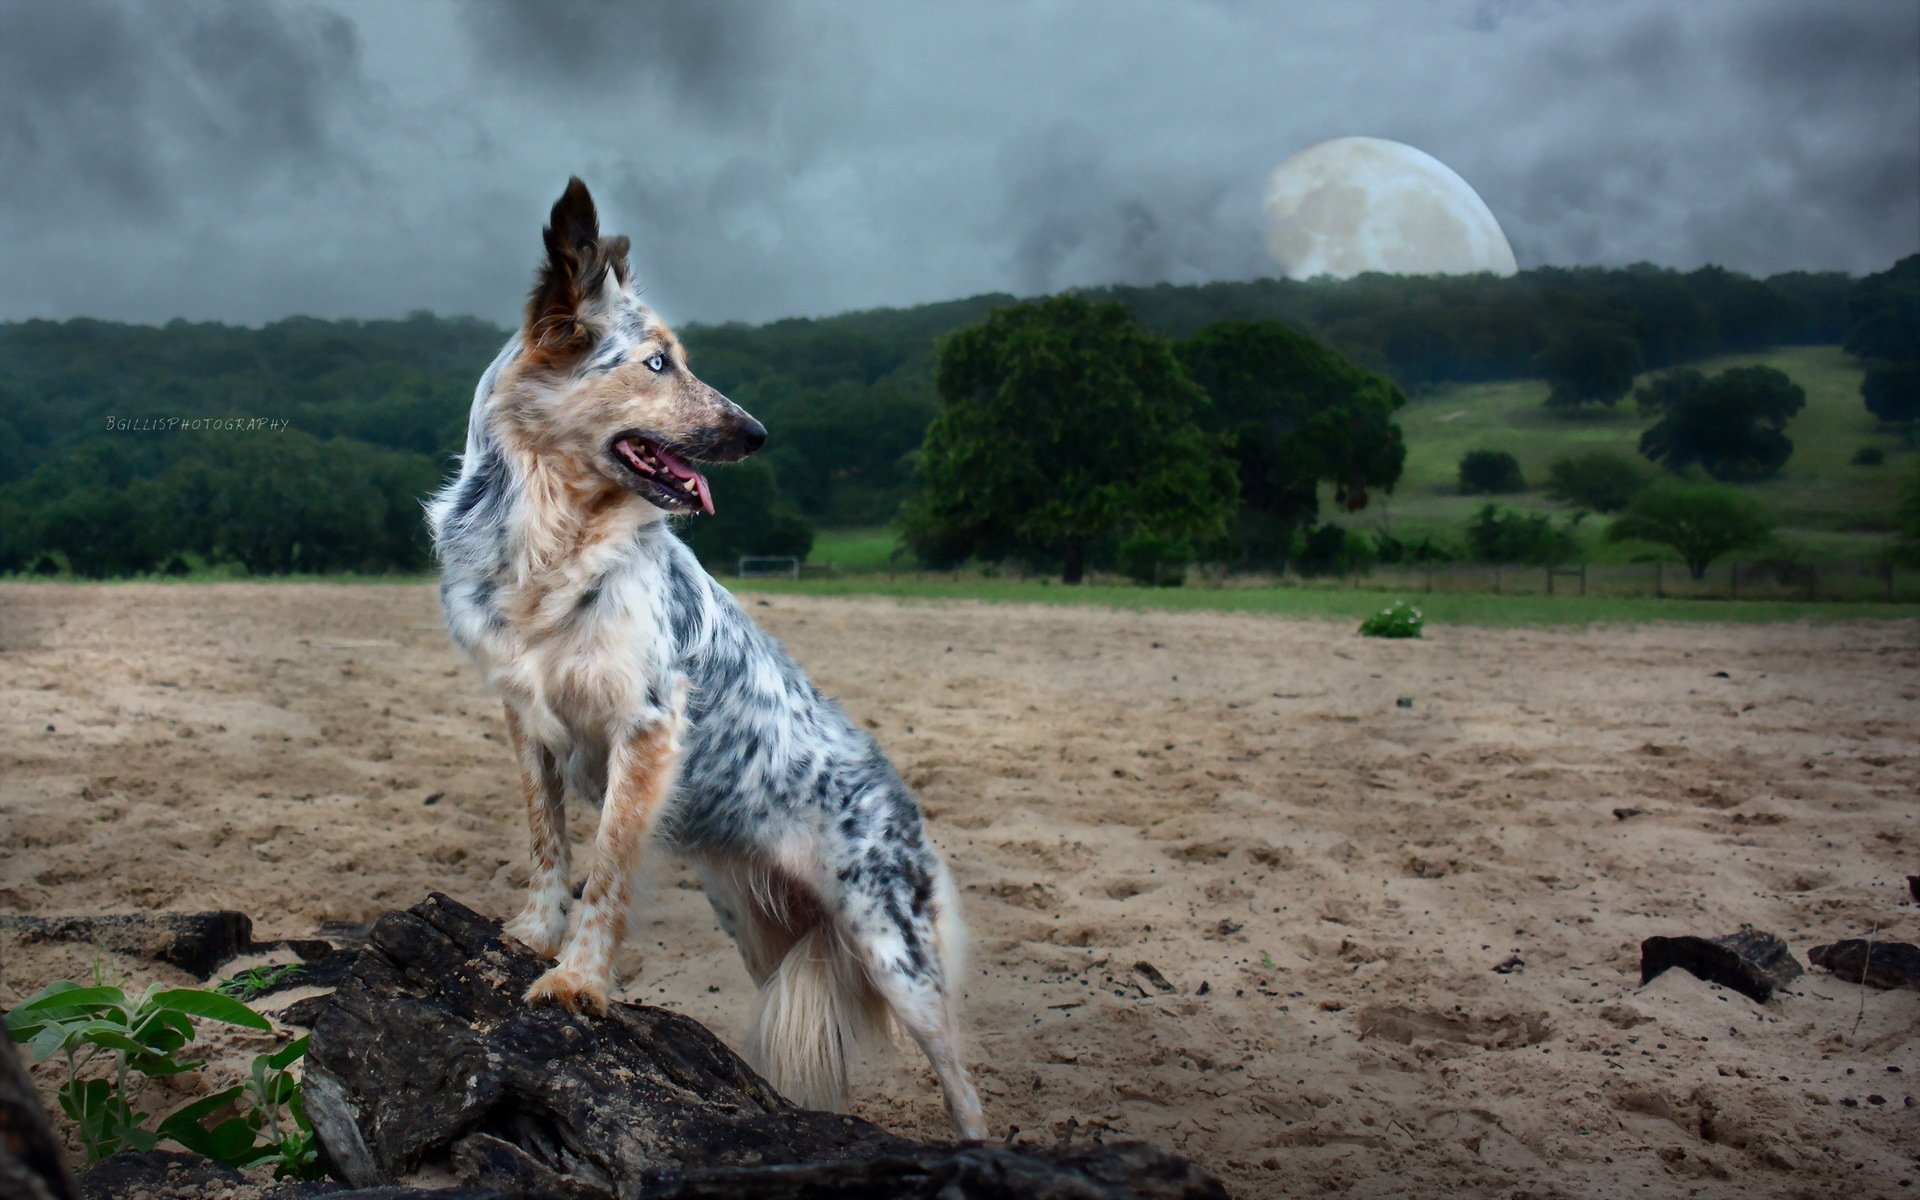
pixel 244 161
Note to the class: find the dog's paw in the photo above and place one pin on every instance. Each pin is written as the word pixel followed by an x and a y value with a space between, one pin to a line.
pixel 565 987
pixel 540 932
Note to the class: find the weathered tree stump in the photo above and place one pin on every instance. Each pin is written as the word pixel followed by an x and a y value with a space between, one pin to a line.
pixel 427 1062
pixel 195 942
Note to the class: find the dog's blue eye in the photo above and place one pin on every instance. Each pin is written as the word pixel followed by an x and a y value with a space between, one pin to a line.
pixel 657 363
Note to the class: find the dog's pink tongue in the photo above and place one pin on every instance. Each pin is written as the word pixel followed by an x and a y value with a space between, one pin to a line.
pixel 690 477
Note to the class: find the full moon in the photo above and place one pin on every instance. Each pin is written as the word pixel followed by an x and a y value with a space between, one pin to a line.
pixel 1361 204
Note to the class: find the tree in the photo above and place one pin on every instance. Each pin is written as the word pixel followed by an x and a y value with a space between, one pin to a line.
pixel 1294 415
pixel 1490 473
pixel 1884 329
pixel 1699 521
pixel 1731 425
pixel 1504 536
pixel 1601 480
pixel 1060 422
pixel 750 517
pixel 1588 364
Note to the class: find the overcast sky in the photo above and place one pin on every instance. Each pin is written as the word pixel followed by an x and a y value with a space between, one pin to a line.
pixel 247 161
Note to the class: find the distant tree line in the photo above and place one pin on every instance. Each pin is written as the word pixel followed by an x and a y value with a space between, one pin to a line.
pixel 1299 381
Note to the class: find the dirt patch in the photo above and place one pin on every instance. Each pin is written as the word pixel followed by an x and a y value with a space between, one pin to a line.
pixel 1323 884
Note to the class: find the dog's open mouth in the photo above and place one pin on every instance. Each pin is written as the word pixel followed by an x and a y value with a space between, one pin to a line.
pixel 662 476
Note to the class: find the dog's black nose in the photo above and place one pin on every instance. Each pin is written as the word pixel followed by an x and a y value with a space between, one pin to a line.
pixel 753 435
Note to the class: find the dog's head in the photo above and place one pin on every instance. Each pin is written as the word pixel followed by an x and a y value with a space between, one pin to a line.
pixel 604 384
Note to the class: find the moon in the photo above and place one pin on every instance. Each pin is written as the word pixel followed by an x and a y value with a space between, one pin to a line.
pixel 1359 204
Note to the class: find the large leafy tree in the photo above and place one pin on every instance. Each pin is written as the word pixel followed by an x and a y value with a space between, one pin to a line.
pixel 1883 314
pixel 1588 364
pixel 1294 415
pixel 1732 425
pixel 1062 422
pixel 1700 521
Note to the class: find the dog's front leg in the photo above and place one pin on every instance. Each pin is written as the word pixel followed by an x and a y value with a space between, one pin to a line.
pixel 640 773
pixel 542 924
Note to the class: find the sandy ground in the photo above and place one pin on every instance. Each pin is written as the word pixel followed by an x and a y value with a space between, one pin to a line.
pixel 1326 879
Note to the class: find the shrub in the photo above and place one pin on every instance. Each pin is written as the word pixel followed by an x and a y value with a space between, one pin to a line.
pixel 1503 536
pixel 1869 456
pixel 1601 480
pixel 1401 620
pixel 1490 473
pixel 1331 550
pixel 137 1040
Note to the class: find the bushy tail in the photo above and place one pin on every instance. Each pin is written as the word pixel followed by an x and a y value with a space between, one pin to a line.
pixel 812 1013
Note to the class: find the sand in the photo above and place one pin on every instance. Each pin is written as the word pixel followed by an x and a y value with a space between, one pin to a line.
pixel 1325 881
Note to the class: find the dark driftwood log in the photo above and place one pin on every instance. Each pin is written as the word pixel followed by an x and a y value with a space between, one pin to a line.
pixel 1750 962
pixel 30 1163
pixel 195 942
pixel 1877 964
pixel 428 1061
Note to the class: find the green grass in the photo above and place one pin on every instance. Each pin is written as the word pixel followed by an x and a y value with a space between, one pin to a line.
pixel 858 551
pixel 1828 508
pixel 1472 609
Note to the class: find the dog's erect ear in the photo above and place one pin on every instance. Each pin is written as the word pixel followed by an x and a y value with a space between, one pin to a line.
pixel 573 226
pixel 577 263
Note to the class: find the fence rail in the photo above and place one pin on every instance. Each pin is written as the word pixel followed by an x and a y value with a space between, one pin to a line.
pixel 1853 580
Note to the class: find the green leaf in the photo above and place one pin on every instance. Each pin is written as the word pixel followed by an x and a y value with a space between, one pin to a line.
pixel 289 1054
pixel 56 1002
pixel 47 1042
pixel 210 1005
pixel 194 1113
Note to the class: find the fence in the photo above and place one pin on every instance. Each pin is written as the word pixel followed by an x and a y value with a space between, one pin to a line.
pixel 1851 580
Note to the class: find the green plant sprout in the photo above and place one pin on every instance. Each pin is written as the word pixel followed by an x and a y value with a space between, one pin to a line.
pixel 137 1040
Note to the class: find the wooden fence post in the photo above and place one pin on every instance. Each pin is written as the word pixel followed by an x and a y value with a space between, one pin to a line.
pixel 1659 581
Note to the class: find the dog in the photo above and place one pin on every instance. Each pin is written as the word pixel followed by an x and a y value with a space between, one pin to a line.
pixel 635 681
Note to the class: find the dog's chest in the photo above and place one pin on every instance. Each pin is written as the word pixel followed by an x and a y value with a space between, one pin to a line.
pixel 587 660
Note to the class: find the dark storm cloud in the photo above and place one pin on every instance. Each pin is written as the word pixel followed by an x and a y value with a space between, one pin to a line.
pixel 712 57
pixel 130 111
pixel 361 157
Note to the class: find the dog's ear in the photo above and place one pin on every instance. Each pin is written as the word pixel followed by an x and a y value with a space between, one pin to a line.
pixel 574 268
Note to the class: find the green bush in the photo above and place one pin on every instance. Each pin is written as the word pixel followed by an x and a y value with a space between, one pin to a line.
pixel 1400 620
pixel 1501 535
pixel 1869 456
pixel 1490 473
pixel 1601 480
pixel 113 1046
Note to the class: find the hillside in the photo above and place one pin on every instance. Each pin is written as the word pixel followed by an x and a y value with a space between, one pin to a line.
pixel 1827 506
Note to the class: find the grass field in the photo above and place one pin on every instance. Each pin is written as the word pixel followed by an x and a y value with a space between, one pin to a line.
pixel 1345 604
pixel 1828 508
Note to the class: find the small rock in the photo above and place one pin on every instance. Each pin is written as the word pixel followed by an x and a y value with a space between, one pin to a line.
pixel 1886 965
pixel 1404 702
pixel 1153 976
pixel 1513 963
pixel 1622 814
pixel 1751 962
pixel 436 798
pixel 1913 887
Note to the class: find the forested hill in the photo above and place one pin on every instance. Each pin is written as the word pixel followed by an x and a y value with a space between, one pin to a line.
pixel 371 410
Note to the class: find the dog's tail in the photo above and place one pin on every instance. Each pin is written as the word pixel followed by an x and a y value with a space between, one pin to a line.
pixel 813 1012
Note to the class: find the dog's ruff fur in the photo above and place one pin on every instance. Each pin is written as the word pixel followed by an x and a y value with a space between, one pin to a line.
pixel 634 681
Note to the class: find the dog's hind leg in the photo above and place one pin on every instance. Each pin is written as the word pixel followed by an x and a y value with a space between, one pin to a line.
pixel 542 924
pixel 906 933
pixel 640 774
